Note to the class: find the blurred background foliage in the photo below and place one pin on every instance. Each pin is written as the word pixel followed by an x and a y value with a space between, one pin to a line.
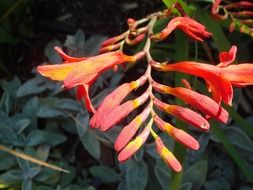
pixel 40 119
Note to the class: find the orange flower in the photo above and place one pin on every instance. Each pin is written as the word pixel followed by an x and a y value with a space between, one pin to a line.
pixel 198 101
pixel 135 144
pixel 167 156
pixel 220 78
pixel 191 27
pixel 178 134
pixel 119 113
pixel 129 131
pixel 83 71
pixel 114 99
pixel 184 114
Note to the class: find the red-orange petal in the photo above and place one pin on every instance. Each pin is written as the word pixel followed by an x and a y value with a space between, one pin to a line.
pixel 184 114
pixel 68 58
pixel 198 101
pixel 227 58
pixel 213 74
pixel 177 134
pixel 120 112
pixel 130 130
pixel 241 74
pixel 134 145
pixel 167 156
pixel 114 99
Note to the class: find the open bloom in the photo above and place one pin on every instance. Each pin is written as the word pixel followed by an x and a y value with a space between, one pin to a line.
pixel 220 78
pixel 84 71
pixel 191 27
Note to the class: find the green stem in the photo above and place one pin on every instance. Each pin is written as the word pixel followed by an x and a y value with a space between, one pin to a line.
pixel 181 53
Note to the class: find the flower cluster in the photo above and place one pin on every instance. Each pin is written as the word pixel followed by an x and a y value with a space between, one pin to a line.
pixel 240 13
pixel 220 78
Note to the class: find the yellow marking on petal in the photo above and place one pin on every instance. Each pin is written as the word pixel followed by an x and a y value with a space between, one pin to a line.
pixel 166 153
pixel 138 120
pixel 137 142
pixel 134 85
pixel 168 128
pixel 56 72
pixel 136 103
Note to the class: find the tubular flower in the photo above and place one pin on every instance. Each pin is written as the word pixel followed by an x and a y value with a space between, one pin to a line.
pixel 184 114
pixel 167 155
pixel 83 72
pixel 178 134
pixel 220 77
pixel 130 130
pixel 120 112
pixel 135 144
pixel 191 27
pixel 114 99
pixel 198 101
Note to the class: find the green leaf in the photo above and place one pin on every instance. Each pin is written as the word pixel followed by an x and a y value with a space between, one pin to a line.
pixel 66 179
pixel 21 125
pixel 82 123
pixel 32 172
pixel 43 152
pixel 75 42
pixel 23 164
pixel 219 183
pixel 7 161
pixel 49 112
pixel 51 54
pixel 242 164
pixel 106 174
pixel 239 138
pixel 186 186
pixel 196 174
pixel 37 137
pixel 7 134
pixel 91 144
pixel 92 45
pixel 15 174
pixel 68 104
pixel 162 174
pixel 11 87
pixel 137 176
pixel 32 86
pixel 27 184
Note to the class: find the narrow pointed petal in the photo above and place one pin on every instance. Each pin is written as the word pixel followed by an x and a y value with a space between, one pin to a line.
pixel 56 72
pixel 213 74
pixel 167 156
pixel 113 40
pixel 130 130
pixel 198 101
pixel 177 134
pixel 114 99
pixel 67 57
pixel 134 145
pixel 87 100
pixel 120 112
pixel 239 74
pixel 227 58
pixel 184 114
